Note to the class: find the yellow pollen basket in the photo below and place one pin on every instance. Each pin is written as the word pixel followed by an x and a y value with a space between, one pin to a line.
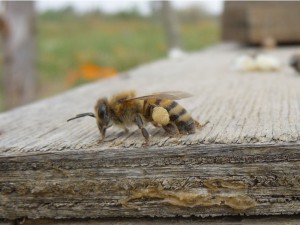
pixel 160 115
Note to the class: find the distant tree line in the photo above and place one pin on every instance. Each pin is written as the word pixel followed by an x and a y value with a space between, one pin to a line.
pixel 189 14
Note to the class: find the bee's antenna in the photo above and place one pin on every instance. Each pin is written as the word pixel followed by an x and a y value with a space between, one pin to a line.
pixel 81 115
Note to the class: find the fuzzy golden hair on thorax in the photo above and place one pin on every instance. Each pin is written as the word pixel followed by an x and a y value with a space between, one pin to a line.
pixel 123 95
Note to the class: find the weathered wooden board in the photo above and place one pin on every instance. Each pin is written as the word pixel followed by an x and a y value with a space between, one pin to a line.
pixel 244 162
pixel 271 220
pixel 7 222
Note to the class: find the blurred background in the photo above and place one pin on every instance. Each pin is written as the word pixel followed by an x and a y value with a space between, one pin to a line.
pixel 50 46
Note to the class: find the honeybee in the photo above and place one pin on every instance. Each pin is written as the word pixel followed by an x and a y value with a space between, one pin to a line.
pixel 160 109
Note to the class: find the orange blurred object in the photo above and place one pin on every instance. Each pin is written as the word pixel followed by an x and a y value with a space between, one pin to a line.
pixel 93 72
pixel 90 72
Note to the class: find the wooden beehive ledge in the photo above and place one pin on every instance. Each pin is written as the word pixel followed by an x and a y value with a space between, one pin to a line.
pixel 244 162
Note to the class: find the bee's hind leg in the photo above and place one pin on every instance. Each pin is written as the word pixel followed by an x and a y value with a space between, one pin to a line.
pixel 171 129
pixel 140 123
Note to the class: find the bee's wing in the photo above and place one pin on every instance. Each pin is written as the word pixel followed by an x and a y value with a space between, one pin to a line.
pixel 171 95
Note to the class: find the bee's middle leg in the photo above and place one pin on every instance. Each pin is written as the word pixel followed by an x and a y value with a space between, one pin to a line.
pixel 126 131
pixel 140 123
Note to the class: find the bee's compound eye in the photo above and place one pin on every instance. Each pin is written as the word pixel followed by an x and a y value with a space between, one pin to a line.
pixel 102 111
pixel 103 114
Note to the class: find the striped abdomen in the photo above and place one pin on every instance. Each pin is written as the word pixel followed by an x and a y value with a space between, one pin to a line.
pixel 178 115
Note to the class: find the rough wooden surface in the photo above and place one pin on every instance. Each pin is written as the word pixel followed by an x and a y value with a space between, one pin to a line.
pixel 244 162
pixel 273 220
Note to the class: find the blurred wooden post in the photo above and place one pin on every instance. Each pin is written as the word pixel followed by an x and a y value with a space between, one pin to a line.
pixel 20 80
pixel 170 25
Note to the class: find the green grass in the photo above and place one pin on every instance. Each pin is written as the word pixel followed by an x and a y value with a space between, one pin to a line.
pixel 117 44
pixel 66 42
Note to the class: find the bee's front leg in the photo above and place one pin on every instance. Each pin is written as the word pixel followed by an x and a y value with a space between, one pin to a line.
pixel 102 133
pixel 140 123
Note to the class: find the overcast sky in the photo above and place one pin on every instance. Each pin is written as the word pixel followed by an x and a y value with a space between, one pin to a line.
pixel 213 6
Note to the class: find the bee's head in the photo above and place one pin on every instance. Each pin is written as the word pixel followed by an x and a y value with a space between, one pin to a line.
pixel 102 115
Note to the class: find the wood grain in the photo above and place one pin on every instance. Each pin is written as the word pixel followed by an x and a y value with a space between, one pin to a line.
pixel 272 220
pixel 244 162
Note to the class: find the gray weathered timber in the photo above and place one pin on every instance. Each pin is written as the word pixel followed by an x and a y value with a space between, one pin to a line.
pixel 272 220
pixel 244 162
